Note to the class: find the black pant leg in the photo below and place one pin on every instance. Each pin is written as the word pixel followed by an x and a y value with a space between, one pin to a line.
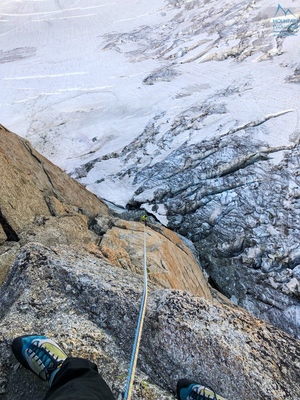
pixel 78 379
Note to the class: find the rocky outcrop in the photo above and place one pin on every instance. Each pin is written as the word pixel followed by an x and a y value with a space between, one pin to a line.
pixel 91 307
pixel 31 184
pixel 39 202
pixel 170 262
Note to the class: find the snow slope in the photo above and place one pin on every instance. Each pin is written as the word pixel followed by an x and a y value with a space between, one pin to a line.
pixel 81 79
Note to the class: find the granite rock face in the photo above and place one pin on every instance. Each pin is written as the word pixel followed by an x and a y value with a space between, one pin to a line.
pixel 31 183
pixel 170 262
pixel 91 307
pixel 39 202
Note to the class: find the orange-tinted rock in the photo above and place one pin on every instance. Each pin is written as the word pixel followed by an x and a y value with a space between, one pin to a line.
pixel 170 263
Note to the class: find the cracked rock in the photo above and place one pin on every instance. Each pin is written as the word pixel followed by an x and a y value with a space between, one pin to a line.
pixel 221 345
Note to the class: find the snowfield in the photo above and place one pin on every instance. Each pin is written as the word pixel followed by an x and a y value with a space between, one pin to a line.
pixel 83 79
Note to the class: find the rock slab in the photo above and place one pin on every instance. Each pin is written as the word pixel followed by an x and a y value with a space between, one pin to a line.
pixel 39 202
pixel 91 307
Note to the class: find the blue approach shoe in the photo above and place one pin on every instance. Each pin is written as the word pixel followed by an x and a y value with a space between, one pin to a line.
pixel 191 390
pixel 39 354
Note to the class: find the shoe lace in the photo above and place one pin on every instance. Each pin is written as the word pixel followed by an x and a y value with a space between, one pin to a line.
pixel 44 358
pixel 198 393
